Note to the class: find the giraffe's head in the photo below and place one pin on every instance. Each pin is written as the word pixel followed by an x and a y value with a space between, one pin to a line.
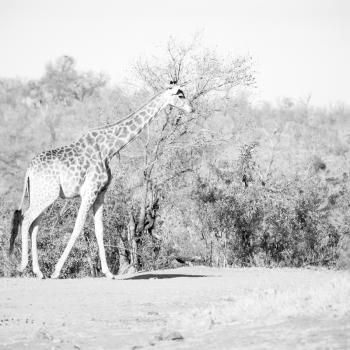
pixel 175 97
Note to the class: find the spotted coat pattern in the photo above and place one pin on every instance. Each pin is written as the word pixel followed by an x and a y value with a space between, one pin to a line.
pixel 82 169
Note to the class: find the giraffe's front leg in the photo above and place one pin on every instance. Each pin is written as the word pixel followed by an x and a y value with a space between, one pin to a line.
pixel 98 220
pixel 79 224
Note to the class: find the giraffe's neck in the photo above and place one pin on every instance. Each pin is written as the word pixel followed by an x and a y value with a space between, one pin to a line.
pixel 113 138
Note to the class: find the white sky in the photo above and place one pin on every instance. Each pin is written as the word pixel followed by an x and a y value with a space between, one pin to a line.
pixel 299 46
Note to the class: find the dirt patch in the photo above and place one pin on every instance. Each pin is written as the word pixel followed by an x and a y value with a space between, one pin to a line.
pixel 188 308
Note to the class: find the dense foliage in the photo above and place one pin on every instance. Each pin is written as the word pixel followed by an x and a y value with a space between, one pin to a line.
pixel 235 184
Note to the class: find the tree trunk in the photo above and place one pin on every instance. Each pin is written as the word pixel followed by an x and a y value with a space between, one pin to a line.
pixel 93 270
pixel 132 243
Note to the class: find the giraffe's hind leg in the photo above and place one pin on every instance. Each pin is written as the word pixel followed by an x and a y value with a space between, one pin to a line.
pixel 40 200
pixel 98 214
pixel 36 268
pixel 29 217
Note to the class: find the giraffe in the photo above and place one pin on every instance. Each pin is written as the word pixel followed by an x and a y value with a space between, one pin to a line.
pixel 82 169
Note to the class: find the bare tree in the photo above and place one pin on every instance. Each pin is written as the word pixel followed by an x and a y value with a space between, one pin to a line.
pixel 172 142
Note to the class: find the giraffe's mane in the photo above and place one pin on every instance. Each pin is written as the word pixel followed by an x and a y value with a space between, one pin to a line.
pixel 128 116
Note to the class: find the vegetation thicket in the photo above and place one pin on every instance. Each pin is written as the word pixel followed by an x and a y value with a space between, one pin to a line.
pixel 234 184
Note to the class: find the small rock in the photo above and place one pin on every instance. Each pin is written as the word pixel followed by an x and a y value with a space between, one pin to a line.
pixel 152 313
pixel 174 336
pixel 169 336
pixel 43 334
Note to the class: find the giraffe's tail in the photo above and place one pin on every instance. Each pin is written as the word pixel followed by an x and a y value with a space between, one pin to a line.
pixel 17 216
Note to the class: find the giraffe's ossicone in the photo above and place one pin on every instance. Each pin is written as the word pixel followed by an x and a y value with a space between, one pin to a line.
pixel 82 169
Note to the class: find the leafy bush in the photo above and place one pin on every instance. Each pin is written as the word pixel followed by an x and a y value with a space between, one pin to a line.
pixel 256 225
pixel 232 185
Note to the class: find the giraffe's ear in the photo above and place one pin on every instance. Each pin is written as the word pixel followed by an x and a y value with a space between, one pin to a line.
pixel 173 82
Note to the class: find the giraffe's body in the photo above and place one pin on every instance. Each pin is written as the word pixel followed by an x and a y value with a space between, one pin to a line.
pixel 82 169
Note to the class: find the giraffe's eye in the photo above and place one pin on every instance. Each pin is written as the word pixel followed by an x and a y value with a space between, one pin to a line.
pixel 181 96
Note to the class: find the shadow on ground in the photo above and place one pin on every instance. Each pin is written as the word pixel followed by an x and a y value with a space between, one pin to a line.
pixel 148 276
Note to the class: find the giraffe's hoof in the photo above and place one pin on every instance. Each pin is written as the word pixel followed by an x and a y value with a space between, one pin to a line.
pixel 110 276
pixel 39 275
pixel 21 268
pixel 55 275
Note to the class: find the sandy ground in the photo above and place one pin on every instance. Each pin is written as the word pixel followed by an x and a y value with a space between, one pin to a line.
pixel 187 308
